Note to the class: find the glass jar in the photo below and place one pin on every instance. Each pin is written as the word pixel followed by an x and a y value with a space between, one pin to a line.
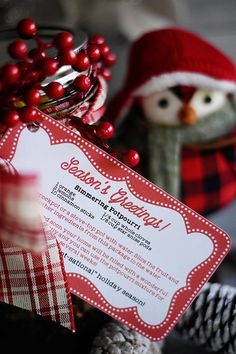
pixel 90 106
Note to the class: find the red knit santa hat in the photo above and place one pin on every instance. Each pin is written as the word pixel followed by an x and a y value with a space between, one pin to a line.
pixel 170 57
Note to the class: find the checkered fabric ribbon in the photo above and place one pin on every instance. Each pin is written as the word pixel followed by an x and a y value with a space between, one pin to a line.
pixel 20 220
pixel 33 280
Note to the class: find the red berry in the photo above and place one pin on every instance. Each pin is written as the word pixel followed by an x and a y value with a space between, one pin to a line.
pixel 27 28
pixel 54 90
pixel 28 114
pixel 110 59
pixel 67 57
pixel 18 49
pixel 32 76
pixel 131 158
pixel 49 66
pixel 96 39
pixel 10 73
pixel 32 97
pixel 82 62
pixel 63 40
pixel 104 49
pixel 105 130
pixel 23 67
pixel 12 118
pixel 106 73
pixel 82 83
pixel 93 52
pixel 37 54
pixel 79 96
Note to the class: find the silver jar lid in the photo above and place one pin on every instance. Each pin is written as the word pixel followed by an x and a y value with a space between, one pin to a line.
pixel 65 74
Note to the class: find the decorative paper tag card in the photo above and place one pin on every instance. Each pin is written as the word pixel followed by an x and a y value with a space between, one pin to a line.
pixel 129 248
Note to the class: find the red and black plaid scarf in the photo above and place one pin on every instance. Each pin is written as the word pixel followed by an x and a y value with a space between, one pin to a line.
pixel 209 176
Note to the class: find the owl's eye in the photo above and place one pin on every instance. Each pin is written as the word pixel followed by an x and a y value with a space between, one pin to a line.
pixel 206 102
pixel 162 108
pixel 163 103
pixel 207 99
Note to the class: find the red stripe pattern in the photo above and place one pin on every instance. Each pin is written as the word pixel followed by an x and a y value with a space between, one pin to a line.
pixel 33 280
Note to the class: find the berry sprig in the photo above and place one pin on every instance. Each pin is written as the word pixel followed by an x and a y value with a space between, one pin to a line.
pixel 98 134
pixel 22 82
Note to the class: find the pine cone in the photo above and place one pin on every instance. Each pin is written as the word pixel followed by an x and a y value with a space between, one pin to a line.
pixel 116 338
pixel 211 319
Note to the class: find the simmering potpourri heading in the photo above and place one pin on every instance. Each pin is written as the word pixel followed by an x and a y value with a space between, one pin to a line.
pixel 129 248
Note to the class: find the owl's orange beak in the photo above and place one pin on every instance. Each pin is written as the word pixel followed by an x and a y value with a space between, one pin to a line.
pixel 187 115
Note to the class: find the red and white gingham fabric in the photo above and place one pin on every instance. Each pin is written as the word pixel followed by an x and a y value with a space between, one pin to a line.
pixel 20 220
pixel 33 280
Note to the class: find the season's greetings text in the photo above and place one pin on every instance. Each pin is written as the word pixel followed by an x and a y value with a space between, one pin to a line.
pixel 119 197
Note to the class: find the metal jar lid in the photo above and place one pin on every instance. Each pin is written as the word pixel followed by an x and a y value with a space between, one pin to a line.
pixel 65 74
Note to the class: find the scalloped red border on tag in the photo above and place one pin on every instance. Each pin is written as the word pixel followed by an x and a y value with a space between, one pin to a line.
pixel 144 190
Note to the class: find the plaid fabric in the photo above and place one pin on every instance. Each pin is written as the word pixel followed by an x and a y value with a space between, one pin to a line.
pixel 208 177
pixel 33 280
pixel 36 282
pixel 20 220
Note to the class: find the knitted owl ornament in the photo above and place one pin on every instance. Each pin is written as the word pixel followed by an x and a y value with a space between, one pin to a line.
pixel 177 107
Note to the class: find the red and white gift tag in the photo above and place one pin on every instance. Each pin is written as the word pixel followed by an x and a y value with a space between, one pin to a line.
pixel 129 248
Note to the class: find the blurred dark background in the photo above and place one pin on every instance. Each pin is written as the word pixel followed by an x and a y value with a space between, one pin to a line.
pixel 121 21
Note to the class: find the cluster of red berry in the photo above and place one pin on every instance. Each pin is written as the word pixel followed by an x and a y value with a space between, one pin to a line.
pixel 21 88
